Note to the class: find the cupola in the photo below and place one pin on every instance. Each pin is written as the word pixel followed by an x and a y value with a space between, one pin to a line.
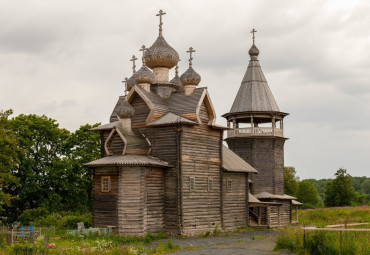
pixel 144 77
pixel 190 79
pixel 125 112
pixel 176 80
pixel 161 56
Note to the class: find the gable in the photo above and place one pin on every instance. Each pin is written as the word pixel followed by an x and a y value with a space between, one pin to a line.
pixel 115 144
pixel 205 112
pixel 141 111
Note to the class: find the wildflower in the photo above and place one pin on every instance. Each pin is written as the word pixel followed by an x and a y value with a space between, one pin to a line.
pixel 52 245
pixel 123 246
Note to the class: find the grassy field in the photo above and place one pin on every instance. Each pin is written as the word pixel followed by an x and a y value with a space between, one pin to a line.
pixel 327 242
pixel 95 244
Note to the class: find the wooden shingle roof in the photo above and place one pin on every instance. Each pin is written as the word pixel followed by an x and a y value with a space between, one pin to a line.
pixel 127 160
pixel 231 162
pixel 254 94
pixel 267 195
pixel 171 118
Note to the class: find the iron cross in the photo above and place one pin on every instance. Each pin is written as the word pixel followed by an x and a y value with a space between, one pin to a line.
pixel 253 31
pixel 133 63
pixel 143 49
pixel 160 14
pixel 177 69
pixel 191 50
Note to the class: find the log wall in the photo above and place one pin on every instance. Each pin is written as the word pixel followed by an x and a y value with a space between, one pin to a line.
pixel 266 155
pixel 164 142
pixel 104 208
pixel 132 216
pixel 235 200
pixel 200 159
pixel 154 181
pixel 141 111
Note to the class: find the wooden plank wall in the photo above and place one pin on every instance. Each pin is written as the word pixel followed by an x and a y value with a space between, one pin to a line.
pixel 203 114
pixel 267 156
pixel 117 144
pixel 132 201
pixel 164 142
pixel 141 110
pixel 201 160
pixel 235 202
pixel 154 180
pixel 104 208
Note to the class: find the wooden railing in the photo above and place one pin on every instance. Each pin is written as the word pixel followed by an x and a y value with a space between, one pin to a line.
pixel 255 131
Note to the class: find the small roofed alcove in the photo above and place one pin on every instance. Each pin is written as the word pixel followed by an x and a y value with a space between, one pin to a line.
pixel 128 185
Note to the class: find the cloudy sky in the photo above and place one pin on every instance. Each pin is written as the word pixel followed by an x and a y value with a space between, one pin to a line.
pixel 66 59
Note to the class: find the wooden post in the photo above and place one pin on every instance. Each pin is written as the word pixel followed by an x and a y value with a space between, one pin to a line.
pixel 268 216
pixel 278 215
pixel 296 213
pixel 252 125
pixel 273 125
pixel 259 215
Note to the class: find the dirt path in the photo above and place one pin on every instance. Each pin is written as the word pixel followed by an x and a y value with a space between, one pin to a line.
pixel 255 242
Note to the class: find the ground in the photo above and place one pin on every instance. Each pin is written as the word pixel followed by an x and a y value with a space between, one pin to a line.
pixel 255 242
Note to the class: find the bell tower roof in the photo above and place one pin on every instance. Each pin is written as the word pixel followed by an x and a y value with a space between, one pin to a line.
pixel 254 94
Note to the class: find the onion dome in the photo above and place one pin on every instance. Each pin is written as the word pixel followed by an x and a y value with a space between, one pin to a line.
pixel 125 110
pixel 176 80
pixel 144 75
pixel 190 77
pixel 161 54
pixel 254 52
pixel 131 82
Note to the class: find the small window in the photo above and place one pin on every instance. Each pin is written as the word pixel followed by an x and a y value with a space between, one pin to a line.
pixel 105 183
pixel 192 183
pixel 229 184
pixel 210 184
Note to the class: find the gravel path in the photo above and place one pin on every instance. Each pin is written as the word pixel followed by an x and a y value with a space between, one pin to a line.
pixel 254 242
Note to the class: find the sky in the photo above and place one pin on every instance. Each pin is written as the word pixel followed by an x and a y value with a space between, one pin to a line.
pixel 66 59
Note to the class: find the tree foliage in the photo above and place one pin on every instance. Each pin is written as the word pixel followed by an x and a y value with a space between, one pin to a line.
pixel 8 160
pixel 50 165
pixel 291 181
pixel 340 192
pixel 307 194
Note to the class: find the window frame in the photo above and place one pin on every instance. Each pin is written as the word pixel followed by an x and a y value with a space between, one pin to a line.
pixel 191 184
pixel 103 188
pixel 210 184
pixel 229 185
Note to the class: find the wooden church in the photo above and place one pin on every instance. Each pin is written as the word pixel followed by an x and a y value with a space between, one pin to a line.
pixel 164 165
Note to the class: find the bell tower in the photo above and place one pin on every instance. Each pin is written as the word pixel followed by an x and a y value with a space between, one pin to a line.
pixel 256 128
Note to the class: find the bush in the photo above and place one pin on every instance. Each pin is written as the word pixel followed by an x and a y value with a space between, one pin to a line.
pixel 30 215
pixel 321 242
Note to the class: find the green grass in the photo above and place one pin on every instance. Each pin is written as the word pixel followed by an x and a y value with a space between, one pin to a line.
pixel 97 244
pixel 328 216
pixel 327 242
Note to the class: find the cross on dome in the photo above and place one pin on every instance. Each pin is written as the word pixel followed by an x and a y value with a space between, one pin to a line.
pixel 253 31
pixel 143 49
pixel 160 14
pixel 125 82
pixel 133 63
pixel 190 51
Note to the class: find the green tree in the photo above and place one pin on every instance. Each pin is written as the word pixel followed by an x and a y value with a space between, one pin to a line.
pixel 340 192
pixel 8 159
pixel 307 194
pixel 290 181
pixel 42 143
pixel 82 147
pixel 365 186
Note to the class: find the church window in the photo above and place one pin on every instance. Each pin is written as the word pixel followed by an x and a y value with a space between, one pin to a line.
pixel 229 184
pixel 192 183
pixel 210 184
pixel 105 183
